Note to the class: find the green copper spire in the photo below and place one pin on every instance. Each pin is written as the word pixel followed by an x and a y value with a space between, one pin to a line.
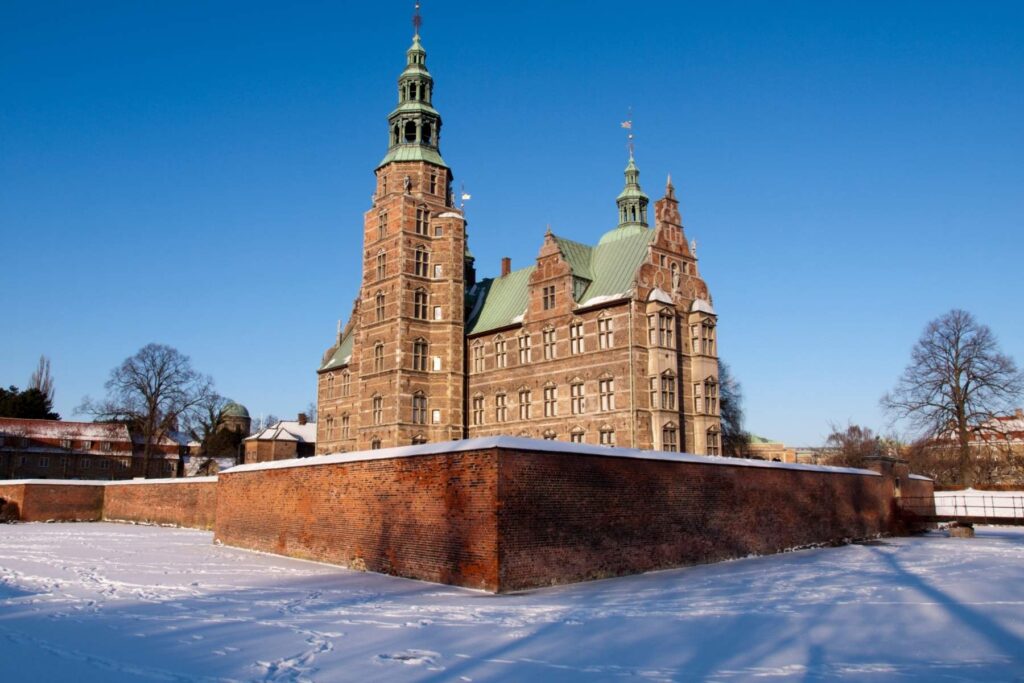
pixel 415 126
pixel 632 201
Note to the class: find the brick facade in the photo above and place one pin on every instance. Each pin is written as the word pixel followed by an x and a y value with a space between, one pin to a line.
pixel 43 502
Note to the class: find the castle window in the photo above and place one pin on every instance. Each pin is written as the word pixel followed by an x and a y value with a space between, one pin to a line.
pixel 661 330
pixel 714 445
pixel 669 438
pixel 478 357
pixel 437 270
pixel 421 221
pixel 378 410
pixel 500 408
pixel 382 221
pixel 345 426
pixel 330 386
pixel 410 131
pixel 419 304
pixel 419 355
pixel 710 397
pixel 549 435
pixel 437 363
pixel 433 183
pixel 524 349
pixel 44 462
pixel 375 444
pixel 500 353
pixel 438 315
pixel 346 383
pixel 330 428
pixel 576 435
pixel 548 338
pixel 524 404
pixel 576 338
pixel 435 416
pixel 438 231
pixel 549 297
pixel 703 338
pixel 653 389
pixel 379 301
pixel 607 436
pixel 422 258
pixel 65 443
pixel 378 357
pixel 606 389
pixel 384 178
pixel 478 410
pixel 668 391
pixel 86 445
pixel 382 265
pixel 107 446
pixel 550 401
pixel 578 399
pixel 605 334
pixel 419 409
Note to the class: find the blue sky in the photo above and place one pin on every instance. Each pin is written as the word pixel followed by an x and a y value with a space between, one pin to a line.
pixel 196 173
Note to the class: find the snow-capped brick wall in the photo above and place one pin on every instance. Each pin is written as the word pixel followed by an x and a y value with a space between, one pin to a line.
pixel 506 515
pixel 42 501
pixel 177 502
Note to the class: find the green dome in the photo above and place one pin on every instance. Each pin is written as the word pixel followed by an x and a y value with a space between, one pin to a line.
pixel 234 410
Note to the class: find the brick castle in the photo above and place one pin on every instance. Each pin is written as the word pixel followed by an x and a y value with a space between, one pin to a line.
pixel 609 344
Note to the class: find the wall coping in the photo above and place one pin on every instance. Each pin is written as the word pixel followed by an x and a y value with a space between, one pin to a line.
pixel 105 482
pixel 536 445
pixel 919 477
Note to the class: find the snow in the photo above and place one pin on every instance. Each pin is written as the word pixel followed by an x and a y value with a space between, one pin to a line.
pixel 702 306
pixel 602 299
pixel 658 294
pixel 108 602
pixel 287 430
pixel 542 445
pixel 107 482
pixel 973 503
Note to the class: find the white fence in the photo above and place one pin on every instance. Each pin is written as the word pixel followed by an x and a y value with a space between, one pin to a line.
pixel 972 503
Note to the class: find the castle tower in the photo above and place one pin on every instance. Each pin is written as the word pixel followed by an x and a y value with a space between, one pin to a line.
pixel 407 352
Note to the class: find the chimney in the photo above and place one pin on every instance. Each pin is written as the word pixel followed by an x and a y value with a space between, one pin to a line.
pixel 303 419
pixel 506 266
pixel 1019 413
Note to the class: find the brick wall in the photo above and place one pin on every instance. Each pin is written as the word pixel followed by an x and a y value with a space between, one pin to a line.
pixel 12 496
pixel 185 502
pixel 431 517
pixel 42 502
pixel 567 518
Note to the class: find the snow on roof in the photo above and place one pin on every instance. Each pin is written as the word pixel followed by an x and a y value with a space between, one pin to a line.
pixel 659 294
pixel 542 445
pixel 920 478
pixel 62 429
pixel 702 306
pixel 602 299
pixel 107 482
pixel 287 430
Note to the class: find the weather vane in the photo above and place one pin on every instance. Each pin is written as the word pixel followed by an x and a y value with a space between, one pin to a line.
pixel 628 125
pixel 417 20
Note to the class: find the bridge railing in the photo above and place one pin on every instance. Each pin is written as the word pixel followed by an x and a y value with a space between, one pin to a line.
pixel 954 505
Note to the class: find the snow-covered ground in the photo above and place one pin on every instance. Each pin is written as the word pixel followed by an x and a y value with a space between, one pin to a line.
pixel 108 602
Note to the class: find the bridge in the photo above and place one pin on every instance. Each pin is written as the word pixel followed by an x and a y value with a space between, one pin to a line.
pixel 965 508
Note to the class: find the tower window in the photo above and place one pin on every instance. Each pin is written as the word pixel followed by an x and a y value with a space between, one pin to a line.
pixel 607 436
pixel 605 334
pixel 478 410
pixel 433 183
pixel 524 349
pixel 500 408
pixel 419 304
pixel 669 440
pixel 550 401
pixel 714 447
pixel 606 388
pixel 382 219
pixel 378 357
pixel 579 399
pixel 668 391
pixel 478 358
pixel 378 410
pixel 422 258
pixel 419 409
pixel 410 132
pixel 576 338
pixel 500 353
pixel 380 306
pixel 421 221
pixel 524 404
pixel 382 265
pixel 419 355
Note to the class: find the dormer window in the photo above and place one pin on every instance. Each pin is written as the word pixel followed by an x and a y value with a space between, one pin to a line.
pixel 549 297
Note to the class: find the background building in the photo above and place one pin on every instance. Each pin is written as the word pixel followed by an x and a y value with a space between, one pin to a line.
pixel 282 441
pixel 612 343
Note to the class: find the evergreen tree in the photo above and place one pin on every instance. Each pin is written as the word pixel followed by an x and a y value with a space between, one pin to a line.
pixel 28 404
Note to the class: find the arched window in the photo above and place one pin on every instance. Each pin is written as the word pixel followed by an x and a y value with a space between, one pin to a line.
pixel 330 428
pixel 500 407
pixel 422 260
pixel 419 408
pixel 375 443
pixel 330 386
pixel 410 131
pixel 345 426
pixel 714 442
pixel 710 396
pixel 419 354
pixel 577 396
pixel 422 216
pixel 576 343
pixel 605 333
pixel 346 383
pixel 576 435
pixel 668 390
pixel 378 409
pixel 550 400
pixel 379 306
pixel 378 357
pixel 525 402
pixel 382 225
pixel 419 304
pixel 548 338
pixel 669 438
pixel 382 264
pixel 478 357
pixel 524 348
pixel 549 435
pixel 478 409
pixel 500 352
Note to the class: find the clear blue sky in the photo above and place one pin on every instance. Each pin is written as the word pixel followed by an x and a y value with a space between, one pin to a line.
pixel 196 173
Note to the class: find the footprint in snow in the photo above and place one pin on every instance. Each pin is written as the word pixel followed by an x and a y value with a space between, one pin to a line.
pixel 409 658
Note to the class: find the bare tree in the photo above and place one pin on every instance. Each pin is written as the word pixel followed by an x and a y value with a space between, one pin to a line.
pixel 202 423
pixel 311 411
pixel 849 446
pixel 957 381
pixel 42 380
pixel 154 391
pixel 735 439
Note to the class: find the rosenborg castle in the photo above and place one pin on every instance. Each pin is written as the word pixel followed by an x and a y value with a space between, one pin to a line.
pixel 612 343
